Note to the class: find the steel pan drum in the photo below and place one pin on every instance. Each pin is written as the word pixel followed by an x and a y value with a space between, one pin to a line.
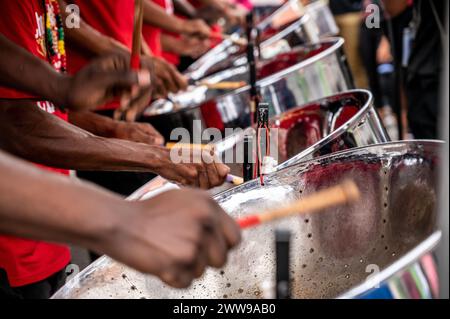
pixel 307 73
pixel 339 122
pixel 330 251
pixel 288 23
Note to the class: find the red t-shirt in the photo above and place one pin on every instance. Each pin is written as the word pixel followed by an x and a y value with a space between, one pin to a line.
pixel 28 261
pixel 113 18
pixel 152 35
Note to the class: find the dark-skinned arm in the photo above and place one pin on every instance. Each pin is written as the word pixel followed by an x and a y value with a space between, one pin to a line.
pixel 18 68
pixel 167 78
pixel 175 235
pixel 40 137
pixel 106 127
pixel 184 8
pixel 96 84
pixel 193 47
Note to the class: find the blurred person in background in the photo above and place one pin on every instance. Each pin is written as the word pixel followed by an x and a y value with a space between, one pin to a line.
pixel 420 45
pixel 424 70
pixel 222 16
pixel 398 16
pixel 378 60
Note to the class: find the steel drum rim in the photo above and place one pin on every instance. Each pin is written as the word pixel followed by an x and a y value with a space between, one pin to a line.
pixel 289 29
pixel 226 43
pixel 265 22
pixel 197 66
pixel 222 46
pixel 343 153
pixel 368 106
pixel 338 42
pixel 409 259
pixel 385 145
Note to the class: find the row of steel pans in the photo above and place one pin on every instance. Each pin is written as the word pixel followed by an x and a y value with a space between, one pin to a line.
pixel 322 140
pixel 306 73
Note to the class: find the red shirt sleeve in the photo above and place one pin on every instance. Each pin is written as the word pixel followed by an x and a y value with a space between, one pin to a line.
pixel 22 22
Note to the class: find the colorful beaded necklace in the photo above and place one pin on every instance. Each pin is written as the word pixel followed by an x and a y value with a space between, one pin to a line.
pixel 56 51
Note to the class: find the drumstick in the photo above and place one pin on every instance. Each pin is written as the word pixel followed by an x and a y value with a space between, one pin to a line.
pixel 225 85
pixel 204 147
pixel 135 62
pixel 344 193
pixel 235 180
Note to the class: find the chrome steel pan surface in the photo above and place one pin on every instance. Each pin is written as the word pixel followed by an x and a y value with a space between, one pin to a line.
pixel 330 251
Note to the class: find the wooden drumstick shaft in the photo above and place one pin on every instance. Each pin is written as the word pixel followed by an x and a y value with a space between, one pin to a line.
pixel 135 62
pixel 204 147
pixel 344 193
pixel 225 85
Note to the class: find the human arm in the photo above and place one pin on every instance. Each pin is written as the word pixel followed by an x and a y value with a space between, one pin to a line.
pixel 96 84
pixel 184 8
pixel 106 127
pixel 185 46
pixel 158 17
pixel 90 39
pixel 173 236
pixel 35 135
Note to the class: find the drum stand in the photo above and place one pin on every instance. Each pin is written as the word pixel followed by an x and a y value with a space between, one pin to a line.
pixel 283 281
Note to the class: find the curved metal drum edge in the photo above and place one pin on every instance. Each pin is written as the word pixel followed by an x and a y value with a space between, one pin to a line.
pixel 427 246
pixel 366 116
pixel 343 121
